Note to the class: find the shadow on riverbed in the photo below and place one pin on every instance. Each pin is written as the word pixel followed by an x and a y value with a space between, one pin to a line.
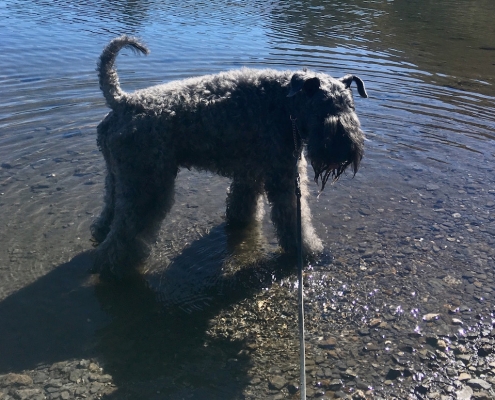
pixel 52 319
pixel 152 348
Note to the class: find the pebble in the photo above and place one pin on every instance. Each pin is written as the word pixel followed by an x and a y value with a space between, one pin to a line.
pixel 375 322
pixel 430 317
pixel 441 344
pixel 16 380
pixel 466 358
pixel 277 382
pixel 26 394
pixel 479 384
pixel 464 376
pixel 371 347
pixel 293 388
pixel 329 343
pixel 464 394
pixel 431 186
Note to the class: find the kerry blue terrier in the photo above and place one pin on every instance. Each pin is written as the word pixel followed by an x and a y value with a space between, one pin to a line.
pixel 249 125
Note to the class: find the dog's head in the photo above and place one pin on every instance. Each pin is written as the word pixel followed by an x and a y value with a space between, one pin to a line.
pixel 327 122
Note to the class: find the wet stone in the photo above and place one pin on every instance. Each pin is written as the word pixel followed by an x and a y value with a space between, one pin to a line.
pixel 293 388
pixel 328 343
pixel 341 365
pixel 95 387
pixel 482 395
pixel 94 367
pixel 430 317
pixel 375 322
pixel 65 395
pixel 334 384
pixel 328 372
pixel 40 377
pixel 485 350
pixel 465 358
pixel 361 385
pixel 399 360
pixel 431 187
pixel 464 394
pixel 371 347
pixel 54 383
pixel 393 373
pixel 105 378
pixel 319 359
pixel 15 380
pixel 277 382
pixel 348 374
pixel 27 394
pixel 75 375
pixel 464 376
pixel 441 344
pixel 479 384
pixel 255 381
pixel 359 395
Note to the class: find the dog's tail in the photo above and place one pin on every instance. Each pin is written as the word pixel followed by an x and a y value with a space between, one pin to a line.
pixel 109 80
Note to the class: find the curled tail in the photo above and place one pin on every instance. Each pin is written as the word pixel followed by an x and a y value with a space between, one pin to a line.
pixel 109 80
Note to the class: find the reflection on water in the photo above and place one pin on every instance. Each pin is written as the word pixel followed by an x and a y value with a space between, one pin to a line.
pixel 417 218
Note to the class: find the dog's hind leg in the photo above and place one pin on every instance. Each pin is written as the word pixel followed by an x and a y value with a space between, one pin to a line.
pixel 141 202
pixel 101 226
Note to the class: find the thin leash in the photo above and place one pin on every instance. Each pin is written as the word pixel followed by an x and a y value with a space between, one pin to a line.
pixel 302 352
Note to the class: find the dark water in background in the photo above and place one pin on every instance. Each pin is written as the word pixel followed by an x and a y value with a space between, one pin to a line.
pixel 429 67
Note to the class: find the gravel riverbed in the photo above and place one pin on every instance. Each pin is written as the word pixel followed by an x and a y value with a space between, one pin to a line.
pixel 381 326
pixel 400 305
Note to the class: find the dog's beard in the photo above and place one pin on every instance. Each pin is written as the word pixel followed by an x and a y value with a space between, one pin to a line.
pixel 323 171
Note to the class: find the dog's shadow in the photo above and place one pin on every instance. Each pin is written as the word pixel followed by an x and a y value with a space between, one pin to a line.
pixel 150 334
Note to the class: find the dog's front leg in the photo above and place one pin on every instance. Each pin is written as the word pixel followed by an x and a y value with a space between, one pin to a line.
pixel 243 201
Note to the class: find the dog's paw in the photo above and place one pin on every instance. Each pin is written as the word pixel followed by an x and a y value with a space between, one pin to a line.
pixel 98 233
pixel 93 269
pixel 106 273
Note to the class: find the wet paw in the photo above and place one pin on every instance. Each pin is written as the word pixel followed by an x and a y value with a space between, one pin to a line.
pixel 99 232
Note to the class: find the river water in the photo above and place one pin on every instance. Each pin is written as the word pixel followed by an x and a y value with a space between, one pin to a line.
pixel 415 226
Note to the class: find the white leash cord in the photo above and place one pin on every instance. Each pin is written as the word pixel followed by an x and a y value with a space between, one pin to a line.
pixel 302 355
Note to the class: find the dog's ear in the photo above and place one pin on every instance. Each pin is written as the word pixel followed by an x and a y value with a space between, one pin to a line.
pixel 308 85
pixel 348 79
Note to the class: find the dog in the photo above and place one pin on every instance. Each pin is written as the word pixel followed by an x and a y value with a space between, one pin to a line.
pixel 249 125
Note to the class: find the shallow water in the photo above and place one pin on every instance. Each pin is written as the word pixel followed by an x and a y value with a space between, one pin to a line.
pixel 423 199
